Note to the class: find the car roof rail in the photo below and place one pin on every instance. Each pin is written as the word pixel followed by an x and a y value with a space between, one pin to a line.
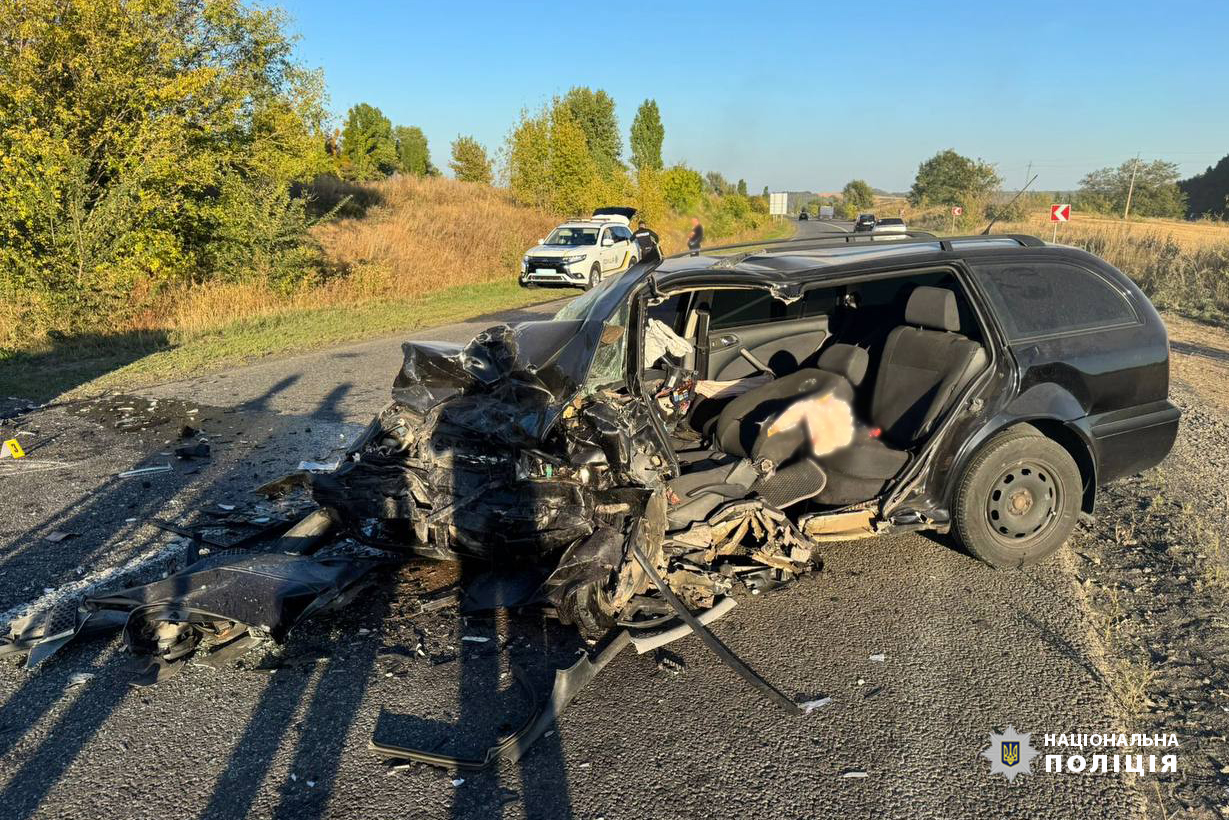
pixel 894 238
pixel 1022 239
pixel 819 241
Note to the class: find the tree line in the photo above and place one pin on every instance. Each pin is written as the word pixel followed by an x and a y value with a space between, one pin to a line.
pixel 1152 187
pixel 566 156
pixel 151 144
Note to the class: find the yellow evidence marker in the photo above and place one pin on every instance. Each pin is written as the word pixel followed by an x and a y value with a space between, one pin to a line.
pixel 12 448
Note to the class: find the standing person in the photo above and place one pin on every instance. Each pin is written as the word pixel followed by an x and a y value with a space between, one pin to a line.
pixel 696 238
pixel 647 241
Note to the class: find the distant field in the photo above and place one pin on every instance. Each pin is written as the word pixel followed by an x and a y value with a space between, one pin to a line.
pixel 1189 235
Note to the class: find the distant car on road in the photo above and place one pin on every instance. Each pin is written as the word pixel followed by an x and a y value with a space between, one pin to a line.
pixel 580 252
pixel 865 223
pixel 889 224
pixel 803 216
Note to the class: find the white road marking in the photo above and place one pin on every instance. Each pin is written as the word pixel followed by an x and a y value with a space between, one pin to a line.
pixel 86 583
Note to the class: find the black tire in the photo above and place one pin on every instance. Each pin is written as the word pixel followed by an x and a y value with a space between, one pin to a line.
pixel 1018 499
pixel 595 276
pixel 586 605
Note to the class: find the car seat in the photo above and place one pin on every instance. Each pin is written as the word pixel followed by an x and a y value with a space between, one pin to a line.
pixel 925 363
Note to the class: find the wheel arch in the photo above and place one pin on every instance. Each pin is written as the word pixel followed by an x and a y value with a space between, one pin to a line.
pixel 1072 440
pixel 1064 432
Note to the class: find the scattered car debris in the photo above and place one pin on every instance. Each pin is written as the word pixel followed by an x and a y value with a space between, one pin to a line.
pixel 854 774
pixel 14 406
pixel 217 599
pixel 190 451
pixel 811 705
pixel 160 468
pixel 878 658
pixel 56 536
pixel 80 679
pixel 452 599
pixel 669 662
pixel 319 466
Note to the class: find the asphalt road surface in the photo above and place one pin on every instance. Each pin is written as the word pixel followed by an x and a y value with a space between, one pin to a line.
pixel 966 650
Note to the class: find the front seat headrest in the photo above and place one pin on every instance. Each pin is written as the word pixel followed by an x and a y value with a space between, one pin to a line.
pixel 845 360
pixel 933 308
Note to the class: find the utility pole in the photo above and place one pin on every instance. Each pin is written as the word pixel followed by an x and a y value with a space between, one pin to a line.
pixel 1131 188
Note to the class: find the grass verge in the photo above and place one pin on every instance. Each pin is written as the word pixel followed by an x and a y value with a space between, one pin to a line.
pixel 89 365
pixel 408 254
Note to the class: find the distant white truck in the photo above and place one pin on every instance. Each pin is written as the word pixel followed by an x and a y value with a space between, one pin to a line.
pixel 826 212
pixel 582 251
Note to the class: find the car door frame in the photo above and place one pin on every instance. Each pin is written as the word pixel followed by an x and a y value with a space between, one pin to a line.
pixel 735 339
pixel 623 245
pixel 606 255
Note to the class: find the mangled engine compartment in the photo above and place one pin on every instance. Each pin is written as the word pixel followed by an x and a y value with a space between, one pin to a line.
pixel 479 458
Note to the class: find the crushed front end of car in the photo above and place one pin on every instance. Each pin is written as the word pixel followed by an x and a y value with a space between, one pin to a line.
pixel 497 451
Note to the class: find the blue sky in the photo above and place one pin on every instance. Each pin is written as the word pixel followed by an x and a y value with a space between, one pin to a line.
pixel 805 96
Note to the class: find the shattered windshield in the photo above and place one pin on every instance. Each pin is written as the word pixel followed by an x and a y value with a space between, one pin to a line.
pixel 579 308
pixel 572 236
pixel 611 356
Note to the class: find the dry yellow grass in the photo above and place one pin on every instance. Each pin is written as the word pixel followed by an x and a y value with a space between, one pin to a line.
pixel 404 253
pixel 416 236
pixel 1187 235
pixel 419 236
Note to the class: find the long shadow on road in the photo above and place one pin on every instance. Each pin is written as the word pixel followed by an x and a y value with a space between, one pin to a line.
pixel 314 700
pixel 98 515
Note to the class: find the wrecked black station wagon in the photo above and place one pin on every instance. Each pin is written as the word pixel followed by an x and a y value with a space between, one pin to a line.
pixel 992 383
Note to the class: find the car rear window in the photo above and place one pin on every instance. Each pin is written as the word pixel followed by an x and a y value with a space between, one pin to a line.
pixel 1049 298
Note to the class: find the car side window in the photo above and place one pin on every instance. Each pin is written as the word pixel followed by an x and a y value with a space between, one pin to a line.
pixel 820 301
pixel 622 234
pixel 739 308
pixel 1034 299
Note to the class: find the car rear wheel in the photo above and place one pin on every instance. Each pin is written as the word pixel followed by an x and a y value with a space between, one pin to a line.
pixel 1018 500
pixel 595 276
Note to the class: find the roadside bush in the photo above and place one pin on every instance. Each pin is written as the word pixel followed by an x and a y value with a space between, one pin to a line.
pixel 147 143
pixel 682 188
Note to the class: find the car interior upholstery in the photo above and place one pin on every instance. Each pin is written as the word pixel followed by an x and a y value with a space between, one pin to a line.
pixel 899 363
